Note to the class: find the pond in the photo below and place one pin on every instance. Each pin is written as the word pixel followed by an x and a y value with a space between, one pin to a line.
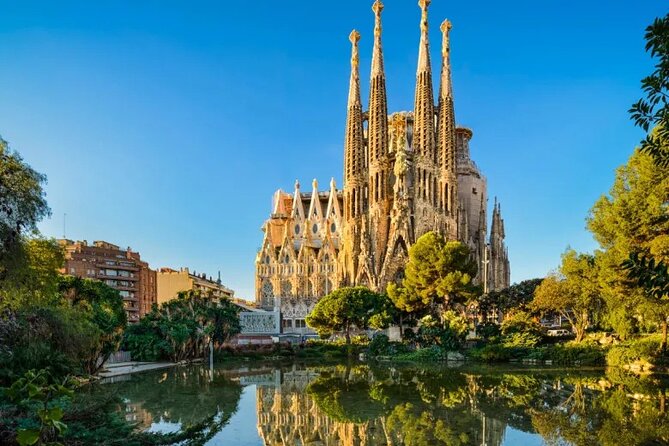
pixel 300 404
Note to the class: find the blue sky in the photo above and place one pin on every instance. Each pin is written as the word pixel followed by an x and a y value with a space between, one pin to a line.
pixel 167 126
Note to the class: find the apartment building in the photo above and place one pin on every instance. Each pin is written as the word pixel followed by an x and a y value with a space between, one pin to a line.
pixel 171 282
pixel 121 269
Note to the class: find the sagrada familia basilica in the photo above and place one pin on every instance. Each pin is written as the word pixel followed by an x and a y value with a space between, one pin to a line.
pixel 405 174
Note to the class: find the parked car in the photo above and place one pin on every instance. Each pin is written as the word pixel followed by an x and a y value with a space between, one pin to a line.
pixel 558 332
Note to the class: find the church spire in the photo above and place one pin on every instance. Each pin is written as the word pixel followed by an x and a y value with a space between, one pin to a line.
pixel 378 104
pixel 353 149
pixel 446 136
pixel 424 101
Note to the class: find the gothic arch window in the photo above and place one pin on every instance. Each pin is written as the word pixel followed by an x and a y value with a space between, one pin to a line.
pixel 286 289
pixel 286 259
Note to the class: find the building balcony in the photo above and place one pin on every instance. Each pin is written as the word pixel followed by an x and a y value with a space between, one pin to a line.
pixel 117 266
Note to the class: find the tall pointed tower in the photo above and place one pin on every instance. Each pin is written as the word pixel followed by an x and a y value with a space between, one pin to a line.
pixel 424 137
pixel 446 143
pixel 355 175
pixel 377 143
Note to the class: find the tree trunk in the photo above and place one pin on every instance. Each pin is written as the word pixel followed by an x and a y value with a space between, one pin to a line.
pixel 348 334
pixel 663 345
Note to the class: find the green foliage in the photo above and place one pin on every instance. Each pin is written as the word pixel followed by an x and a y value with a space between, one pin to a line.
pixel 31 274
pixel 448 334
pixel 647 349
pixel 517 296
pixel 104 306
pixel 347 308
pixel 488 331
pixel 631 219
pixel 573 292
pixel 438 274
pixel 652 112
pixel 432 353
pixel 38 394
pixel 380 345
pixel 22 202
pixel 182 328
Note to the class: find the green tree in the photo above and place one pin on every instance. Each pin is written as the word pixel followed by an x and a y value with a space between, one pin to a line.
pixel 104 305
pixel 182 328
pixel 31 275
pixel 573 292
pixel 22 200
pixel 438 276
pixel 347 308
pixel 652 112
pixel 632 218
pixel 654 279
pixel 516 297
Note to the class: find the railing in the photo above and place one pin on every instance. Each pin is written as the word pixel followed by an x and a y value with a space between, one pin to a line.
pixel 120 356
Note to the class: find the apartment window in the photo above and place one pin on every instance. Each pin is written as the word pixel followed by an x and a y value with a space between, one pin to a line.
pixel 110 262
pixel 124 273
pixel 299 323
pixel 71 270
pixel 287 323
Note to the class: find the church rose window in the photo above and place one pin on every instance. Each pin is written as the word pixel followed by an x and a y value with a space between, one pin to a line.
pixel 267 289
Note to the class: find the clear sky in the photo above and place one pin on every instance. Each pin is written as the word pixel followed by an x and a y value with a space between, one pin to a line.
pixel 167 125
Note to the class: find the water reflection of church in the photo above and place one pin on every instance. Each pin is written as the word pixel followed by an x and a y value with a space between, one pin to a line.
pixel 288 416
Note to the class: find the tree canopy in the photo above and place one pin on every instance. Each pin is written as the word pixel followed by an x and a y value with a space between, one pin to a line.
pixel 347 308
pixel 439 274
pixel 632 219
pixel 572 292
pixel 651 113
pixel 22 199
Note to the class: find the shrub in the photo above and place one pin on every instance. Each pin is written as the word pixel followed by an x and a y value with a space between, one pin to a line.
pixel 433 353
pixel 521 339
pixel 381 346
pixel 488 331
pixel 646 349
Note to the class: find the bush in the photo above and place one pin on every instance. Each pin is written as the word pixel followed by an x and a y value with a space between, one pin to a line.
pixel 521 322
pixel 488 331
pixel 521 339
pixel 429 354
pixel 646 349
pixel 381 346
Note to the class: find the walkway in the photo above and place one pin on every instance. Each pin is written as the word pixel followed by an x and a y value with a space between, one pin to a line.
pixel 125 368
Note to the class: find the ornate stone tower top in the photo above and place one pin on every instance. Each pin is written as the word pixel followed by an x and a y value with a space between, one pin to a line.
pixel 446 138
pixel 353 145
pixel 354 87
pixel 446 88
pixel 378 103
pixel 424 99
pixel 377 53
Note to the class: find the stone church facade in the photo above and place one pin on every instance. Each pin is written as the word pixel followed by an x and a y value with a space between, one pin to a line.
pixel 405 174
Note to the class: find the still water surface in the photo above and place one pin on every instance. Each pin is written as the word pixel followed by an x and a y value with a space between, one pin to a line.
pixel 361 405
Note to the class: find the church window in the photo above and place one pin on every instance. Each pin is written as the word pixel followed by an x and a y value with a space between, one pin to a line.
pixel 267 289
pixel 297 229
pixel 333 227
pixel 314 228
pixel 286 259
pixel 299 323
pixel 285 288
pixel 287 323
pixel 474 190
